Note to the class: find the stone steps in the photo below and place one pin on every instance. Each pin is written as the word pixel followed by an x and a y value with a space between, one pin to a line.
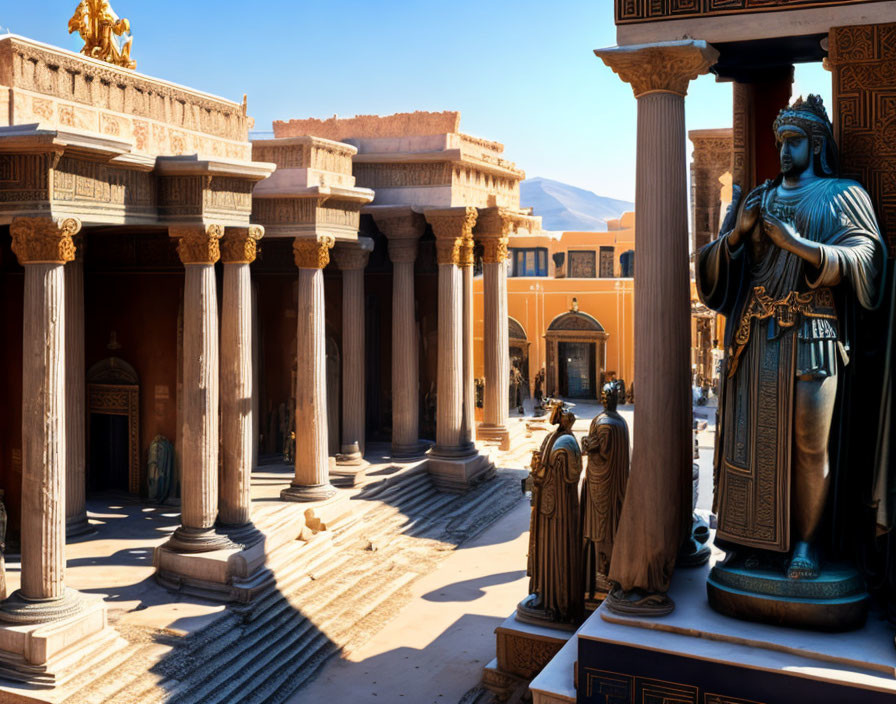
pixel 331 594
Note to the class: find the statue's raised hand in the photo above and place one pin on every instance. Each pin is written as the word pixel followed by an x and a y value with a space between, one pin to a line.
pixel 746 217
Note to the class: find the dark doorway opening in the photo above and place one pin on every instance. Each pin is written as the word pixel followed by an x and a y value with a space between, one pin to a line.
pixel 577 369
pixel 109 466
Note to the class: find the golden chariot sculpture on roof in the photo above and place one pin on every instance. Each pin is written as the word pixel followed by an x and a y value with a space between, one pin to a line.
pixel 106 36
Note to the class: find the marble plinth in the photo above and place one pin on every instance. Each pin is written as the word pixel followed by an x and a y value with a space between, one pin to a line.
pixel 695 651
pixel 49 654
pixel 239 574
pixel 459 474
pixel 523 650
pixel 496 434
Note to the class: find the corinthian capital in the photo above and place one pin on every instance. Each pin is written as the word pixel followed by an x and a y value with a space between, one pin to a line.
pixel 494 249
pixel 240 244
pixel 453 229
pixel 198 244
pixel 667 67
pixel 44 240
pixel 312 252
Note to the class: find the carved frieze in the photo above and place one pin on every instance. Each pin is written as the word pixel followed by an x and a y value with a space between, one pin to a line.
pixel 198 196
pixel 24 181
pixel 77 181
pixel 632 11
pixel 312 252
pixel 198 244
pixel 524 655
pixel 44 240
pixel 402 175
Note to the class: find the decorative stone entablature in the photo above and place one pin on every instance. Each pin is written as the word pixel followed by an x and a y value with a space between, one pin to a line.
pixel 312 193
pixel 418 159
pixel 58 89
pixel 87 139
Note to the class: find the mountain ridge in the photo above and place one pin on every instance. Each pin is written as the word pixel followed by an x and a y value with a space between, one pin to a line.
pixel 568 208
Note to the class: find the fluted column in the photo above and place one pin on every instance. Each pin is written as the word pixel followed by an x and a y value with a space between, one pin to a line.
pixel 656 512
pixel 452 227
pixel 492 229
pixel 468 422
pixel 76 523
pixel 237 375
pixel 351 258
pixel 403 228
pixel 199 249
pixel 312 476
pixel 43 246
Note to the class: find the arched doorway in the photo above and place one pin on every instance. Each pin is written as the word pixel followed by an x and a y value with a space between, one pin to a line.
pixel 113 422
pixel 576 355
pixel 519 350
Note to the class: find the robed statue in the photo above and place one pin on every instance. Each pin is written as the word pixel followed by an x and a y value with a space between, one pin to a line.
pixel 793 261
pixel 603 491
pixel 555 539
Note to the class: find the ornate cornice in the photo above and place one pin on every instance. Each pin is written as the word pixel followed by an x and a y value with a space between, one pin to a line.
pixel 660 68
pixel 494 249
pixel 44 240
pixel 453 227
pixel 199 244
pixel 311 252
pixel 240 244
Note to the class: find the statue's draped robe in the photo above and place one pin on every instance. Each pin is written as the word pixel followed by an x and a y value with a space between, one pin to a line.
pixel 603 492
pixel 555 542
pixel 754 441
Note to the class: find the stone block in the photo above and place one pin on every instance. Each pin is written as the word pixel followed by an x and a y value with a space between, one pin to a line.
pixel 459 475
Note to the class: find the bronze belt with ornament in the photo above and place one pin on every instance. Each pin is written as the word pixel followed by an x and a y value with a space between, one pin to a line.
pixel 787 312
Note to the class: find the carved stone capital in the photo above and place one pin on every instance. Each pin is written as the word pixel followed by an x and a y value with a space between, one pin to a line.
pixel 452 227
pixel 494 249
pixel 240 244
pixel 494 222
pixel 312 252
pixel 44 240
pixel 399 222
pixel 403 250
pixel 660 68
pixel 467 246
pixel 350 256
pixel 199 244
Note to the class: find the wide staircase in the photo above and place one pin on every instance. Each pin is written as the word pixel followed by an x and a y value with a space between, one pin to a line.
pixel 330 594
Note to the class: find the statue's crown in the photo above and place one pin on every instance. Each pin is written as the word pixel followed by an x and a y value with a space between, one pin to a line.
pixel 809 114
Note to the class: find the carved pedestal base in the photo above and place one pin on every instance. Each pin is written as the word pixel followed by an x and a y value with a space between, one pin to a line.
pixel 494 433
pixel 459 475
pixel 835 601
pixel 198 540
pixel 49 654
pixel 348 473
pixel 409 453
pixel 523 650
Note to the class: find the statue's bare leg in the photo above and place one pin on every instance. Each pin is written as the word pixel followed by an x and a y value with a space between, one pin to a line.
pixel 813 410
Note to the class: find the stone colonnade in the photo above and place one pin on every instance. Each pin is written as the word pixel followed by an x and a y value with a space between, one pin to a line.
pixel 656 512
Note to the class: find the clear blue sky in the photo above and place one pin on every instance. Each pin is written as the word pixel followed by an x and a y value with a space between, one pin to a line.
pixel 521 72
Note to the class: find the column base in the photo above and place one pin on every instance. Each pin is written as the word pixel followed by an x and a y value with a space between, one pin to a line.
pixel 494 433
pixel 348 474
pixel 78 527
pixel 245 534
pixel 459 475
pixel 304 493
pixel 51 653
pixel 349 455
pixel 409 453
pixel 19 609
pixel 198 540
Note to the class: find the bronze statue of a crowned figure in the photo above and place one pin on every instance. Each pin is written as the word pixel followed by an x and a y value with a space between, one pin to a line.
pixel 794 259
pixel 603 491
pixel 555 538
